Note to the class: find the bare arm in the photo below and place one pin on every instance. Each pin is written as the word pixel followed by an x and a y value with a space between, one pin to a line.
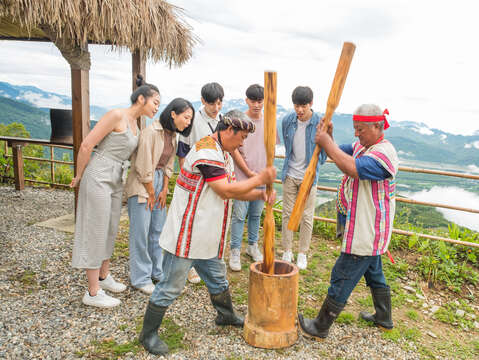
pixel 107 124
pixel 239 160
pixel 244 190
pixel 181 161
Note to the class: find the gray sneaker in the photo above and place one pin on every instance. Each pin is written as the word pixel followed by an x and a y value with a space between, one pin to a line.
pixel 235 260
pixel 254 252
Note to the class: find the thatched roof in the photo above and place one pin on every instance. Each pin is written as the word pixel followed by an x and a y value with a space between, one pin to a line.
pixel 152 25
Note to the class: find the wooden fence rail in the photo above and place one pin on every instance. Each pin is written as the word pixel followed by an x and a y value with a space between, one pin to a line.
pixel 17 145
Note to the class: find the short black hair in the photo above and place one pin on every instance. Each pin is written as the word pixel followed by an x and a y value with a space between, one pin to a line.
pixel 302 95
pixel 255 92
pixel 212 92
pixel 178 105
pixel 147 90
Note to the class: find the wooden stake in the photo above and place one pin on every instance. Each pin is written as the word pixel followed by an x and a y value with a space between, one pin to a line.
pixel 333 101
pixel 269 143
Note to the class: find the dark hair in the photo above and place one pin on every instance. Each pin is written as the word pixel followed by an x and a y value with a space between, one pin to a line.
pixel 212 92
pixel 302 95
pixel 147 90
pixel 255 92
pixel 237 120
pixel 178 105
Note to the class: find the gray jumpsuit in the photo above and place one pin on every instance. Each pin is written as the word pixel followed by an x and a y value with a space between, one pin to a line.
pixel 100 198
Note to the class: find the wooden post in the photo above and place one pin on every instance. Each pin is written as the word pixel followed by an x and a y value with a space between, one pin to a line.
pixel 80 113
pixel 269 143
pixel 18 166
pixel 138 66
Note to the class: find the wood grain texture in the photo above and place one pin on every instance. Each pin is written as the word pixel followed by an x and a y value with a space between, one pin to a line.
pixel 333 101
pixel 272 306
pixel 269 143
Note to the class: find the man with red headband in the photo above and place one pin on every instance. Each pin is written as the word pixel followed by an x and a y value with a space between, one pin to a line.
pixel 366 206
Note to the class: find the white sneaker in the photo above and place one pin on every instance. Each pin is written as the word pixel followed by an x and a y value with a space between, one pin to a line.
pixel 253 251
pixel 235 260
pixel 111 285
pixel 193 276
pixel 288 256
pixel 101 299
pixel 302 261
pixel 147 289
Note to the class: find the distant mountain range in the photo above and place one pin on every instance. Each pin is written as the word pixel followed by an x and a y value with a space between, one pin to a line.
pixel 415 142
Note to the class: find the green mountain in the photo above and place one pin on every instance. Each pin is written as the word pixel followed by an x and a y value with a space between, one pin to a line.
pixel 35 120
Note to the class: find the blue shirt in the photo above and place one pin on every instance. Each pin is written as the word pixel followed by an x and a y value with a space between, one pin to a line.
pixel 367 167
pixel 289 127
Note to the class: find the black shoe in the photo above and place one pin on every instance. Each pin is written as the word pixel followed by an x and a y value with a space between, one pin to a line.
pixel 149 334
pixel 224 307
pixel 382 305
pixel 319 327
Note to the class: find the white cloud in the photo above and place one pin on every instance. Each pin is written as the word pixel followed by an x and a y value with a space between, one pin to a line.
pixel 453 196
pixel 422 130
pixel 473 168
pixel 418 64
pixel 406 154
pixel 40 101
pixel 474 144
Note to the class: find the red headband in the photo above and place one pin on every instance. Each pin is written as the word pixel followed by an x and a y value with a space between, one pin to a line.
pixel 382 117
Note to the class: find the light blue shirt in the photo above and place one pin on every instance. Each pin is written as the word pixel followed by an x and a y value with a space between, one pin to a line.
pixel 290 125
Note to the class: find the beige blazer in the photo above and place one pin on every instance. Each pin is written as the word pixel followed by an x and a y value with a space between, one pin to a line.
pixel 145 159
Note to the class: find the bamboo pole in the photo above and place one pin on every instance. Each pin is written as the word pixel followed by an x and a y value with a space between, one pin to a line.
pixel 269 143
pixel 404 232
pixel 333 101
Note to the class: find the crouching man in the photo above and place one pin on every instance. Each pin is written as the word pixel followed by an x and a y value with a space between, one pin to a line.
pixel 197 223
pixel 366 205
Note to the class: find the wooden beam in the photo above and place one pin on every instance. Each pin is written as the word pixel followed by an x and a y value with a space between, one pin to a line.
pixel 80 112
pixel 18 166
pixel 138 66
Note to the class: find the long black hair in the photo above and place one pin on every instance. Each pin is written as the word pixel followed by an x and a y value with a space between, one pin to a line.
pixel 178 105
pixel 147 90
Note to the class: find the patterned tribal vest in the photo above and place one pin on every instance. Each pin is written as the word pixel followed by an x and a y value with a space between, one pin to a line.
pixel 369 205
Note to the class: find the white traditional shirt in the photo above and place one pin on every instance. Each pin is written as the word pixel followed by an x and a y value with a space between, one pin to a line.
pixel 198 218
pixel 369 205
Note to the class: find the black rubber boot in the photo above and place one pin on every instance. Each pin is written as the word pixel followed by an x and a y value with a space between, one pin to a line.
pixel 319 327
pixel 149 334
pixel 382 305
pixel 224 306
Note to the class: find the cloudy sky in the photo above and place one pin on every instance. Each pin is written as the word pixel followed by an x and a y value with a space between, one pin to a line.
pixel 417 58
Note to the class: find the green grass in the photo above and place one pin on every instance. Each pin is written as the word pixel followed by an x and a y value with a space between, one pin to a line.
pixel 411 314
pixel 346 318
pixel 173 335
pixel 240 296
pixel 28 278
pixel 109 348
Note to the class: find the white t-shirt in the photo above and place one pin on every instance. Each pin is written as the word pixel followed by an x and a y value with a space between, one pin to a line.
pixel 203 126
pixel 297 164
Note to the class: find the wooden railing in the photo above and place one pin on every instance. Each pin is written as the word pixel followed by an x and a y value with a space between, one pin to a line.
pixel 411 201
pixel 17 145
pixel 18 161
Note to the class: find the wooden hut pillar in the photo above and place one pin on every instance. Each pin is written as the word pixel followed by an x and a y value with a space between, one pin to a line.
pixel 80 112
pixel 138 66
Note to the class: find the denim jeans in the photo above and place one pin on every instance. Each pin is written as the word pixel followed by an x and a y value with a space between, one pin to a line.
pixel 145 231
pixel 241 209
pixel 175 270
pixel 349 269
